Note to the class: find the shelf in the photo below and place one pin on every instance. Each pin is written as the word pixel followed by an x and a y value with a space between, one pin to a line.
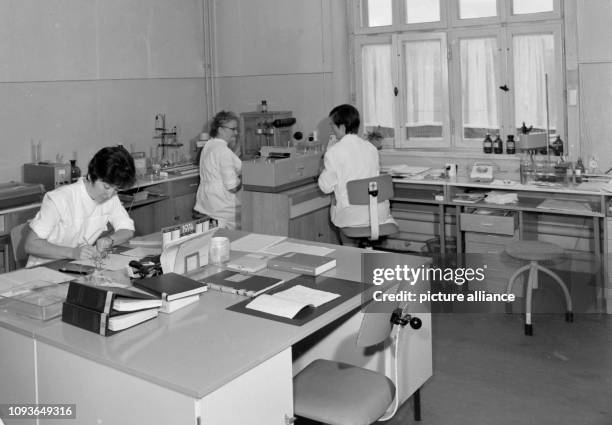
pixel 149 200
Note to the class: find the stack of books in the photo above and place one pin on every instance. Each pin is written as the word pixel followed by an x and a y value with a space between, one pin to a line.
pixel 107 310
pixel 301 263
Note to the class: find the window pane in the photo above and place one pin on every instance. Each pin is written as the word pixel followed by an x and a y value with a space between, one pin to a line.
pixel 477 8
pixel 479 65
pixel 534 57
pixel 377 88
pixel 520 7
pixel 418 11
pixel 377 12
pixel 423 82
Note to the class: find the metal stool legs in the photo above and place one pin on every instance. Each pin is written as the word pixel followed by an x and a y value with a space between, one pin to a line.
pixel 532 283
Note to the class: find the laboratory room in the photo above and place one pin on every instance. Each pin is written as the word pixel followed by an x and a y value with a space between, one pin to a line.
pixel 299 212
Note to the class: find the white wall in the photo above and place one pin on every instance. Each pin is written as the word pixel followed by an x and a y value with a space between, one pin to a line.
pixel 83 74
pixel 595 79
pixel 292 53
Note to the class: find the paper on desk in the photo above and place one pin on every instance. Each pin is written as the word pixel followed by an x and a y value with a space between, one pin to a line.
pixel 565 205
pixel 290 302
pixel 255 242
pixel 284 247
pixel 112 262
pixel 141 251
pixel 19 277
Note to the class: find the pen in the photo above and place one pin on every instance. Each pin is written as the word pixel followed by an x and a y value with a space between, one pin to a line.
pixel 73 271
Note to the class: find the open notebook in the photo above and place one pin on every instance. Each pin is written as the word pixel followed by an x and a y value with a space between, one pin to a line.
pixel 290 302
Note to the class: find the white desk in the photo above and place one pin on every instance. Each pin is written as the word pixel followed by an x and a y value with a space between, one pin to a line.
pixel 190 367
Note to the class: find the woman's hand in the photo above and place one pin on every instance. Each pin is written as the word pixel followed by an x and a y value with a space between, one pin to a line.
pixel 85 252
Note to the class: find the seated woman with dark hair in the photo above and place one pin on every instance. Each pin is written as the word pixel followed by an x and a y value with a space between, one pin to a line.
pixel 351 158
pixel 220 170
pixel 72 218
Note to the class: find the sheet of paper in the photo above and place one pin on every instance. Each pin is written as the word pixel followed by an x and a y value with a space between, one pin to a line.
pixel 277 306
pixel 112 262
pixel 44 274
pixel 255 242
pixel 141 251
pixel 306 295
pixel 564 205
pixel 285 247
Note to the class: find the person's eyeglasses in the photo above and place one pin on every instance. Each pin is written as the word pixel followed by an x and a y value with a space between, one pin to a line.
pixel 236 129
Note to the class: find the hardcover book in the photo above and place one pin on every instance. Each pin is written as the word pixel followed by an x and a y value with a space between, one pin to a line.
pixel 102 323
pixel 298 262
pixel 104 298
pixel 241 284
pixel 170 286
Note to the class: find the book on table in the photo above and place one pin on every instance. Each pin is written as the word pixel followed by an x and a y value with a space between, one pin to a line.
pixel 102 323
pixel 290 302
pixel 298 262
pixel 241 284
pixel 106 298
pixel 170 286
pixel 249 263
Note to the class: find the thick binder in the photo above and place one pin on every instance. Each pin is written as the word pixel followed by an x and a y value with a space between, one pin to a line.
pixel 102 323
pixel 171 286
pixel 101 299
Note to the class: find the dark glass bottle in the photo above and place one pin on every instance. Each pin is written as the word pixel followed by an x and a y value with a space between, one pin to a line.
pixel 498 145
pixel 558 146
pixel 487 144
pixel 510 145
pixel 75 171
pixel 579 170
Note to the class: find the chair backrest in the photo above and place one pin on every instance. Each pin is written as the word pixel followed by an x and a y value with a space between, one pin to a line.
pixel 376 325
pixel 358 190
pixel 18 239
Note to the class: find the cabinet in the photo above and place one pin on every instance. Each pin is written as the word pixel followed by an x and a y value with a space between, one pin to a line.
pixel 8 220
pixel 169 202
pixel 301 212
pixel 256 130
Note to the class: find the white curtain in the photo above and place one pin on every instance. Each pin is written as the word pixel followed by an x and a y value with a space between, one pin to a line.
pixel 533 59
pixel 423 82
pixel 479 82
pixel 377 85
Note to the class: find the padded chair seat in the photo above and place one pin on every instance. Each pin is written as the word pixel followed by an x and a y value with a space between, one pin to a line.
pixel 534 250
pixel 365 231
pixel 341 394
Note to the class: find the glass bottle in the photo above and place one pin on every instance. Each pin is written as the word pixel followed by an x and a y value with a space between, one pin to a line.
pixel 498 146
pixel 510 145
pixel 487 144
pixel 579 170
pixel 264 106
pixel 558 146
pixel 75 171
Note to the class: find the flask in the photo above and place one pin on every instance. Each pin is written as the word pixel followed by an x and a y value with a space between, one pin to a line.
pixel 75 171
pixel 510 145
pixel 498 146
pixel 487 144
pixel 557 146
pixel 579 170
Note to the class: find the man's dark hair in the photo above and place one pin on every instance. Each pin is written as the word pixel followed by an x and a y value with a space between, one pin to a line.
pixel 348 115
pixel 113 165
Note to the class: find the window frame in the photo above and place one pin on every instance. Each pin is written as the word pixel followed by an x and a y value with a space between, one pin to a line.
pixel 505 23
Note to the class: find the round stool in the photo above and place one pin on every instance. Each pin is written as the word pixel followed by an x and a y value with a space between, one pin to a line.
pixel 534 251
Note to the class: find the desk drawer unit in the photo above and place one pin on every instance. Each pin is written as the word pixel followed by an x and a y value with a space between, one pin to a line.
pixel 483 223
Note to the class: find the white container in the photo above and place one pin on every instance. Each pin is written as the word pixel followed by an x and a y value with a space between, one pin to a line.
pixel 219 252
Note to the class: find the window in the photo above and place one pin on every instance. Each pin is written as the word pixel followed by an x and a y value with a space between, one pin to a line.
pixel 423 80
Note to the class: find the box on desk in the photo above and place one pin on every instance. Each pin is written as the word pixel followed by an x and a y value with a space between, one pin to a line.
pixel 276 175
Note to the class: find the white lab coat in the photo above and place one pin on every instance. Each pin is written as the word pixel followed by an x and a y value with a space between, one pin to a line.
pixel 220 171
pixel 69 217
pixel 351 158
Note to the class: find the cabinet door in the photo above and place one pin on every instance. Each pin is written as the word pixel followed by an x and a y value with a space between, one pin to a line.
pixel 314 226
pixel 183 206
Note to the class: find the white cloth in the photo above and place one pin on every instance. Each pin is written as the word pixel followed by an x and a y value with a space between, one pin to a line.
pixel 69 217
pixel 220 170
pixel 351 158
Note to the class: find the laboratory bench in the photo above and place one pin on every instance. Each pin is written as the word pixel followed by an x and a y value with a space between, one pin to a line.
pixel 575 217
pixel 193 366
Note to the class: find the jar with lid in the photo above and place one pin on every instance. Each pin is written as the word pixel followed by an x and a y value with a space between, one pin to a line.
pixel 510 145
pixel 498 146
pixel 487 144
